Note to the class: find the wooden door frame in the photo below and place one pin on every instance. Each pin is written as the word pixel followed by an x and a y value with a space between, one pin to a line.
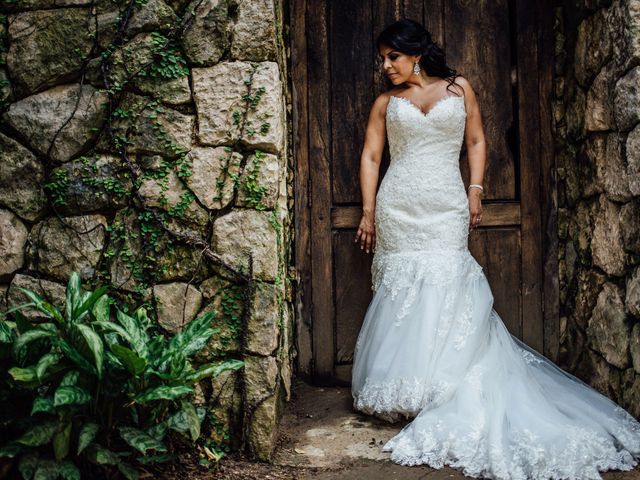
pixel 313 214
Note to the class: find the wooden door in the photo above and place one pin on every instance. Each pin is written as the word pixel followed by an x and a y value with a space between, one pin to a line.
pixel 504 48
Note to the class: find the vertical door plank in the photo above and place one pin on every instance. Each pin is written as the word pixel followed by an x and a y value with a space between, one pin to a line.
pixel 413 9
pixel 548 197
pixel 478 45
pixel 434 21
pixel 353 293
pixel 498 251
pixel 529 133
pixel 302 220
pixel 351 93
pixel 319 157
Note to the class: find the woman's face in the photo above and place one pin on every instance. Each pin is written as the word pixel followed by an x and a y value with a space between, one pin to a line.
pixel 397 66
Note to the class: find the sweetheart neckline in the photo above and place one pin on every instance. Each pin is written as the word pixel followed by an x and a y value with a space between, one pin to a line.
pixel 419 110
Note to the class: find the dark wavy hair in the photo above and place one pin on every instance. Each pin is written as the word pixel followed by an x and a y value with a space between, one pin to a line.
pixel 411 38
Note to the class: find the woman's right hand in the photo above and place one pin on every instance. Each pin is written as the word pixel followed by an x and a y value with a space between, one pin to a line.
pixel 366 233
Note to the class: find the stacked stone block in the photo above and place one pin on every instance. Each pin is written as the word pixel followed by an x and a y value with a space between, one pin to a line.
pixel 54 130
pixel 597 120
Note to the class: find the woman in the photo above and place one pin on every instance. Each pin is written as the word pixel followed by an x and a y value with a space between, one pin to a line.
pixel 431 345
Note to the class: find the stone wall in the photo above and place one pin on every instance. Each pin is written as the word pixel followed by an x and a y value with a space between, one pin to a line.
pixel 144 144
pixel 597 118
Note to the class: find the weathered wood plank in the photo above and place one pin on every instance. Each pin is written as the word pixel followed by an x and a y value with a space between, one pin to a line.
pixel 549 189
pixel 434 21
pixel 351 93
pixel 302 215
pixel 529 134
pixel 478 45
pixel 352 267
pixel 320 174
pixel 493 215
pixel 498 250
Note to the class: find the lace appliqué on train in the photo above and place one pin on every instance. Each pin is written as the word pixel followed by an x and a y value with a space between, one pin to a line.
pixel 399 398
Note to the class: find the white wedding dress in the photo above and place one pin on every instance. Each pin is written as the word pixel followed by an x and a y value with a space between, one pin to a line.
pixel 432 347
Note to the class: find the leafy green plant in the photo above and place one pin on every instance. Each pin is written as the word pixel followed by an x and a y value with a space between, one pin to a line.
pixel 96 388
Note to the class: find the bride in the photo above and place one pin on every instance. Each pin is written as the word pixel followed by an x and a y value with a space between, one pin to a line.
pixel 431 347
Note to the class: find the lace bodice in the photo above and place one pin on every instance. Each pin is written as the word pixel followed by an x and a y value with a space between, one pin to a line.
pixel 414 134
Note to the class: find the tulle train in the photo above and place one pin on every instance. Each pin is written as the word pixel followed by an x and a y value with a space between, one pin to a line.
pixel 483 401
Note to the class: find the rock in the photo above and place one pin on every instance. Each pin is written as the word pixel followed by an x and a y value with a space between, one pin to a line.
pixel 226 300
pixel 607 330
pixel 607 245
pixel 598 112
pixel 213 175
pixel 612 172
pixel 263 429
pixel 634 346
pixel 580 228
pixel 576 116
pixel 5 85
pixel 631 392
pixel 178 304
pixel 218 93
pixel 589 284
pixel 152 128
pixel 13 237
pixel 95 182
pixel 259 182
pixel 4 290
pixel 62 119
pixel 600 375
pixel 21 180
pixel 633 160
pixel 264 320
pixel 632 299
pixel 260 377
pixel 152 15
pixel 571 353
pixel 170 194
pixel 59 247
pixel 54 293
pixel 593 47
pixel 570 260
pixel 134 62
pixel 591 165
pixel 563 223
pixel 48 47
pixel 627 100
pixel 254 33
pixel 630 226
pixel 226 406
pixel 243 233
pixel 125 246
pixel 43 4
pixel 624 27
pixel 286 371
pixel 207 34
pixel 170 262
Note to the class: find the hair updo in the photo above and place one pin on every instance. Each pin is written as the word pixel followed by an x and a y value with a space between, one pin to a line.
pixel 411 38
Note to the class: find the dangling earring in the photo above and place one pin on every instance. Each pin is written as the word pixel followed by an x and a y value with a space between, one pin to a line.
pixel 416 68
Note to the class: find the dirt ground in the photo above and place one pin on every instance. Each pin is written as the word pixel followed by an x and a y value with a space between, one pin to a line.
pixel 321 437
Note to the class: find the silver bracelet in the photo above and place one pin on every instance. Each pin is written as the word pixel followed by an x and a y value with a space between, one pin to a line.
pixel 476 186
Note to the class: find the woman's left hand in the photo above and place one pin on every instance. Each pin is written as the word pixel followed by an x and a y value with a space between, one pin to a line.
pixel 475 207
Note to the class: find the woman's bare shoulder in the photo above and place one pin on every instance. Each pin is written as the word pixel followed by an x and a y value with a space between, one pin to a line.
pixel 382 100
pixel 462 85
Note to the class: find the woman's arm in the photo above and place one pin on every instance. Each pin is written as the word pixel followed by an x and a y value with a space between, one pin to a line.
pixel 476 151
pixel 370 159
